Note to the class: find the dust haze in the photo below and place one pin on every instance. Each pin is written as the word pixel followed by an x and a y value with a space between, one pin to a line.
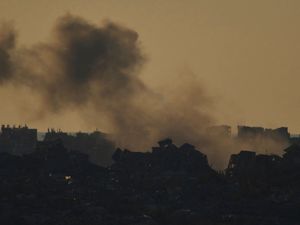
pixel 94 70
pixel 86 66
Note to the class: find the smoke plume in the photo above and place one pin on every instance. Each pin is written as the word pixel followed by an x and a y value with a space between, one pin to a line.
pixel 95 70
pixel 7 43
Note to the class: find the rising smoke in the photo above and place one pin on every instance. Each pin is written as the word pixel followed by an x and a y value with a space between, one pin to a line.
pixel 95 69
pixel 7 43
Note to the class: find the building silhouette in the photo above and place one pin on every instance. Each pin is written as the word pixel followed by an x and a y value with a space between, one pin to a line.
pixel 17 140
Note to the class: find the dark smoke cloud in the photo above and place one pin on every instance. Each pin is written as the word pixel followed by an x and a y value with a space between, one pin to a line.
pixel 81 58
pixel 95 69
pixel 7 43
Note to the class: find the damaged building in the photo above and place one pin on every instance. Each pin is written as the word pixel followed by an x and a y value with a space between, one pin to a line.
pixel 96 144
pixel 249 164
pixel 263 140
pixel 169 185
pixel 17 140
pixel 250 133
pixel 20 140
pixel 166 157
pixel 292 154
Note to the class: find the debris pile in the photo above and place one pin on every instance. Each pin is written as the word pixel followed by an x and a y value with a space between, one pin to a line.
pixel 169 185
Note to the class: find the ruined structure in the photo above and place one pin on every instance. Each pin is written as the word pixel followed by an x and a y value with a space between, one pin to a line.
pixel 167 157
pixel 17 140
pixel 248 164
pixel 292 154
pixel 23 140
pixel 96 144
pixel 248 133
pixel 263 140
pixel 169 185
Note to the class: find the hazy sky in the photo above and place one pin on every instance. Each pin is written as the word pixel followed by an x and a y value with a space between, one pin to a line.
pixel 247 53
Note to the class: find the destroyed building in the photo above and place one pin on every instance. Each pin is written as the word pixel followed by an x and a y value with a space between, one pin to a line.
pixel 248 164
pixel 17 140
pixel 23 140
pixel 278 133
pixel 96 144
pixel 169 185
pixel 165 159
pixel 263 140
pixel 295 139
pixel 248 133
pixel 251 134
pixel 292 154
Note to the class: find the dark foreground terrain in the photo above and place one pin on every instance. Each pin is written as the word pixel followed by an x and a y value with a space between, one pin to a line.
pixel 170 185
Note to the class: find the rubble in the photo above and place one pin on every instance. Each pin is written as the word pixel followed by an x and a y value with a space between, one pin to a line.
pixel 169 185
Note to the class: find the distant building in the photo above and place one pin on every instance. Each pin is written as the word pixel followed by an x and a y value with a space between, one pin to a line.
pixel 245 132
pixel 248 163
pixel 17 140
pixel 280 134
pixel 292 154
pixel 96 144
pixel 219 131
pixel 163 160
pixel 241 163
pixel 295 139
pixel 277 134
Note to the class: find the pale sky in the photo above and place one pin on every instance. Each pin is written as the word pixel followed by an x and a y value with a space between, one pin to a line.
pixel 247 53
